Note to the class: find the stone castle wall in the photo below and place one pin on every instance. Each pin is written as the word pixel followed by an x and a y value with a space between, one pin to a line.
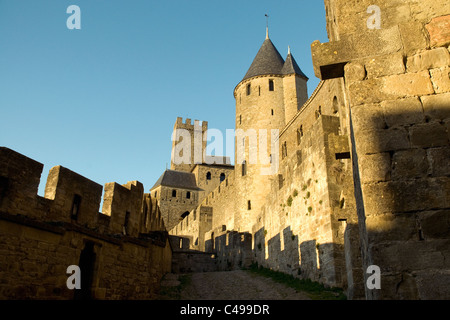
pixel 364 171
pixel 397 90
pixel 125 249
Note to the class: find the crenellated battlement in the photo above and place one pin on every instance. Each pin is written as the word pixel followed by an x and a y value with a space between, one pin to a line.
pixel 189 125
pixel 73 199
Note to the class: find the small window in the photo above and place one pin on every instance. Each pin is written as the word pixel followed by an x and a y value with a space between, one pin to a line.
pixel 272 111
pixel 249 205
pixel 188 195
pixel 174 193
pixel 125 223
pixel 335 108
pixel 244 168
pixel 248 89
pixel 271 88
pixel 240 119
pixel 284 150
pixel 208 175
pixel 222 177
pixel 318 112
pixel 156 193
pixel 259 90
pixel 280 181
pixel 75 207
pixel 342 155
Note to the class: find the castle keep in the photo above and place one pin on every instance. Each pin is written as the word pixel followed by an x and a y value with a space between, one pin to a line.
pixel 362 179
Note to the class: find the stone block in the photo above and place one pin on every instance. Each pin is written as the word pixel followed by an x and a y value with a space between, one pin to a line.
pixel 368 92
pixel 354 71
pixel 433 284
pixel 409 84
pixel 403 111
pixel 440 78
pixel 377 141
pixel 430 59
pixel 364 44
pixel 414 37
pixel 409 164
pixel 439 31
pixel 390 227
pixel 385 65
pixel 375 167
pixel 406 196
pixel 435 224
pixel 439 161
pixel 367 117
pixel 390 88
pixel 428 135
pixel 437 106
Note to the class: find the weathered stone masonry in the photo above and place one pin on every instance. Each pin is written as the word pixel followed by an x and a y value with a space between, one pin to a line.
pixel 123 252
pixel 364 176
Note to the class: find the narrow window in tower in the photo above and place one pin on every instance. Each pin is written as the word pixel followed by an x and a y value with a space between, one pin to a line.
pixel 208 175
pixel 270 158
pixel 125 223
pixel 240 119
pixel 244 168
pixel 259 90
pixel 75 207
pixel 271 87
pixel 249 205
pixel 248 89
pixel 284 150
pixel 222 177
pixel 156 193
pixel 188 195
pixel 272 111
pixel 318 112
pixel 174 193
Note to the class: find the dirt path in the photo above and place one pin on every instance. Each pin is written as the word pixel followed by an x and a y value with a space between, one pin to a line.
pixel 229 285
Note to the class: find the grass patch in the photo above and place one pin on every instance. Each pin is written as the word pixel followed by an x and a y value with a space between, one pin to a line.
pixel 314 290
pixel 174 293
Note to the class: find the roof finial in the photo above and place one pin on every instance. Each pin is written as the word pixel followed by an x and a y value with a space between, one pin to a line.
pixel 267 26
pixel 289 50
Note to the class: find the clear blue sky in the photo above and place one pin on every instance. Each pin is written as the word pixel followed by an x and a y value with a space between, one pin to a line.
pixel 102 101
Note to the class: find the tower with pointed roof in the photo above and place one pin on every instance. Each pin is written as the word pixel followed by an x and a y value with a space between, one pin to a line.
pixel 267 98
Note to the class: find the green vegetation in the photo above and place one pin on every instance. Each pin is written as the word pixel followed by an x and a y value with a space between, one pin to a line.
pixel 314 290
pixel 304 187
pixel 308 194
pixel 295 193
pixel 174 293
pixel 289 201
pixel 309 209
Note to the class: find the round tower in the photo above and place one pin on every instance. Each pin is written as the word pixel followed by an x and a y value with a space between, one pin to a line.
pixel 259 110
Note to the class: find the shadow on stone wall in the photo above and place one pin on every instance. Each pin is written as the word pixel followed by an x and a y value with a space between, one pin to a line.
pixel 403 194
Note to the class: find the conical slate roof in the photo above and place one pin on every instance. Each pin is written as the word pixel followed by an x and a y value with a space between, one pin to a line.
pixel 267 61
pixel 291 67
